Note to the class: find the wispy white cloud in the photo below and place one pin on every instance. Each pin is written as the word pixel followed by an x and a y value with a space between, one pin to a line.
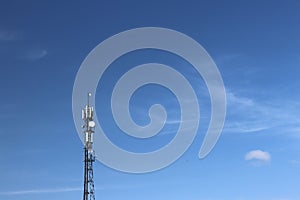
pixel 72 189
pixel 6 36
pixel 259 156
pixel 249 114
pixel 229 57
pixel 27 53
pixel 240 101
pixel 246 115
pixel 35 54
pixel 41 191
pixel 245 128
pixel 294 162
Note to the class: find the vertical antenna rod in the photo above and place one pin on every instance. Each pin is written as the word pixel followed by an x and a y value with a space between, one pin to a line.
pixel 88 98
pixel 89 155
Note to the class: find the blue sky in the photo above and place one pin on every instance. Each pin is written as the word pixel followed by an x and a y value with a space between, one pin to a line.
pixel 255 45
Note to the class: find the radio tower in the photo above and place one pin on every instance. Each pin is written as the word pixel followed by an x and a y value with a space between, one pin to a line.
pixel 89 155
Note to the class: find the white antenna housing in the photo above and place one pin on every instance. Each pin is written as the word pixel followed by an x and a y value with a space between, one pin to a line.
pixel 89 124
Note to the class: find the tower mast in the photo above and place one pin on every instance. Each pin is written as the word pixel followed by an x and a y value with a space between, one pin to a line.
pixel 89 154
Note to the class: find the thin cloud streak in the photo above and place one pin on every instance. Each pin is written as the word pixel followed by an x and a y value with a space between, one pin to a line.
pixel 6 36
pixel 41 191
pixel 253 116
pixel 72 189
pixel 35 54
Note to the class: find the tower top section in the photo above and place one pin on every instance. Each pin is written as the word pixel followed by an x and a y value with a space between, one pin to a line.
pixel 89 124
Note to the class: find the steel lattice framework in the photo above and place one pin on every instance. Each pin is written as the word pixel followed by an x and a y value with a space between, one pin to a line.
pixel 89 155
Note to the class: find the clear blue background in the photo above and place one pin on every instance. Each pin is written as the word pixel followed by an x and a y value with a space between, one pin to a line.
pixel 256 46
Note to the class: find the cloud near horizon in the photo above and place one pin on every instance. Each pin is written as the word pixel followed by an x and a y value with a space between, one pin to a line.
pixel 41 191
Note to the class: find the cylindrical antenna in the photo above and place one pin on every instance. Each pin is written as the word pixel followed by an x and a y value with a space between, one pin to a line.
pixel 88 98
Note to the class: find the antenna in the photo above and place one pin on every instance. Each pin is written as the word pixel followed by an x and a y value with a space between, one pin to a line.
pixel 89 154
pixel 88 98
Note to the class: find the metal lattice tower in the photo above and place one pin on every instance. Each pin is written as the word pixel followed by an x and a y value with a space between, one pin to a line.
pixel 89 154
